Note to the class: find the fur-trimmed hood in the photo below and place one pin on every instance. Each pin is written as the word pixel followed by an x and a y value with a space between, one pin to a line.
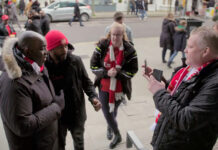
pixel 11 66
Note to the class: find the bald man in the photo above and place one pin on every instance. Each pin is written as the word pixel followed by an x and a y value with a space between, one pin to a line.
pixel 28 105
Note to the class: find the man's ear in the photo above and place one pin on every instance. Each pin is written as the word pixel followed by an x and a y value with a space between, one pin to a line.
pixel 206 52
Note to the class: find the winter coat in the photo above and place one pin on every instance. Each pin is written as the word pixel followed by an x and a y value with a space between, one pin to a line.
pixel 166 37
pixel 29 113
pixel 76 11
pixel 45 24
pixel 129 65
pixel 71 76
pixel 4 33
pixel 13 16
pixel 179 39
pixel 22 5
pixel 189 117
pixel 142 4
pixel 35 25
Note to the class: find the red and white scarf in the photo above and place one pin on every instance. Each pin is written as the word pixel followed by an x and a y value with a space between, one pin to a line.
pixel 183 74
pixel 35 66
pixel 113 61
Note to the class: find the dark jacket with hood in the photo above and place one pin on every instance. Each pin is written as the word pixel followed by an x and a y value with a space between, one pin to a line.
pixel 189 117
pixel 129 66
pixel 71 76
pixel 179 39
pixel 168 30
pixel 29 113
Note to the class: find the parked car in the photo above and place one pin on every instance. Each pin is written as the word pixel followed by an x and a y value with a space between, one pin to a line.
pixel 64 11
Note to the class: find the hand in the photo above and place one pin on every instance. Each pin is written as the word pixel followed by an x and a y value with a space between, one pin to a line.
pixel 154 85
pixel 30 21
pixel 147 71
pixel 60 100
pixel 112 72
pixel 96 104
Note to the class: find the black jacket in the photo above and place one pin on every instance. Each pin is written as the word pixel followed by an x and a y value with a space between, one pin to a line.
pixel 179 39
pixel 129 66
pixel 29 113
pixel 167 33
pixel 4 33
pixel 71 76
pixel 45 24
pixel 189 117
pixel 35 25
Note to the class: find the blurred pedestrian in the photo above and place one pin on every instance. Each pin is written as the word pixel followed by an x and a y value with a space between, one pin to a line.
pixel 33 23
pixel 36 6
pixel 167 33
pixel 6 30
pixel 13 16
pixel 179 42
pixel 189 106
pixel 114 62
pixel 28 7
pixel 76 15
pixel 44 22
pixel 132 6
pixel 28 105
pixel 67 73
pixel 142 7
pixel 46 3
pixel 21 7
pixel 119 18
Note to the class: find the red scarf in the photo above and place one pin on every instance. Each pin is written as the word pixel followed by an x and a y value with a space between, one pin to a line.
pixel 113 59
pixel 31 62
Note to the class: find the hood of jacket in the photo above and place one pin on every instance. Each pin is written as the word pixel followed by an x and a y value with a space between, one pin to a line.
pixel 11 66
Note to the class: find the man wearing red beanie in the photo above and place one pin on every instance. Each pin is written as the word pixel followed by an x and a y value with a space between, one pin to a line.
pixel 67 72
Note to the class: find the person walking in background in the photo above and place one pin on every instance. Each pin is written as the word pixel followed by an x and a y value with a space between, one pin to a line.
pixel 142 7
pixel 33 23
pixel 28 105
pixel 189 106
pixel 13 16
pixel 36 6
pixel 28 7
pixel 6 30
pixel 119 18
pixel 76 15
pixel 67 73
pixel 21 7
pixel 114 62
pixel 176 7
pixel 179 42
pixel 44 22
pixel 167 33
pixel 132 6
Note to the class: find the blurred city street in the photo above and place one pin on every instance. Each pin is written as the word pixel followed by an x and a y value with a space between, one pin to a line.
pixel 138 114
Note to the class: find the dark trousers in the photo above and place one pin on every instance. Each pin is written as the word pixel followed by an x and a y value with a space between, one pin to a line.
pixel 77 133
pixel 164 53
pixel 110 117
pixel 74 17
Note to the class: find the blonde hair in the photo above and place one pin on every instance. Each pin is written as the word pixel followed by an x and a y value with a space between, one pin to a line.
pixel 183 22
pixel 170 16
pixel 118 25
pixel 207 38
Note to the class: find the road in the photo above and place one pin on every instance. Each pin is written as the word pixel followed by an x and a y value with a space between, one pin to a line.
pixel 94 29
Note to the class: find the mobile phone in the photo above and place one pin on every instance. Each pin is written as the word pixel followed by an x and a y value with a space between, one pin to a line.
pixel 146 65
pixel 158 74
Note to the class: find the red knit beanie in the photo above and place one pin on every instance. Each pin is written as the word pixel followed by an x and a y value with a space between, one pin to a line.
pixel 54 39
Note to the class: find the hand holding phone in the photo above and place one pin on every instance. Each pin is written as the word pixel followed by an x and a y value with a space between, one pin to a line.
pixel 158 74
